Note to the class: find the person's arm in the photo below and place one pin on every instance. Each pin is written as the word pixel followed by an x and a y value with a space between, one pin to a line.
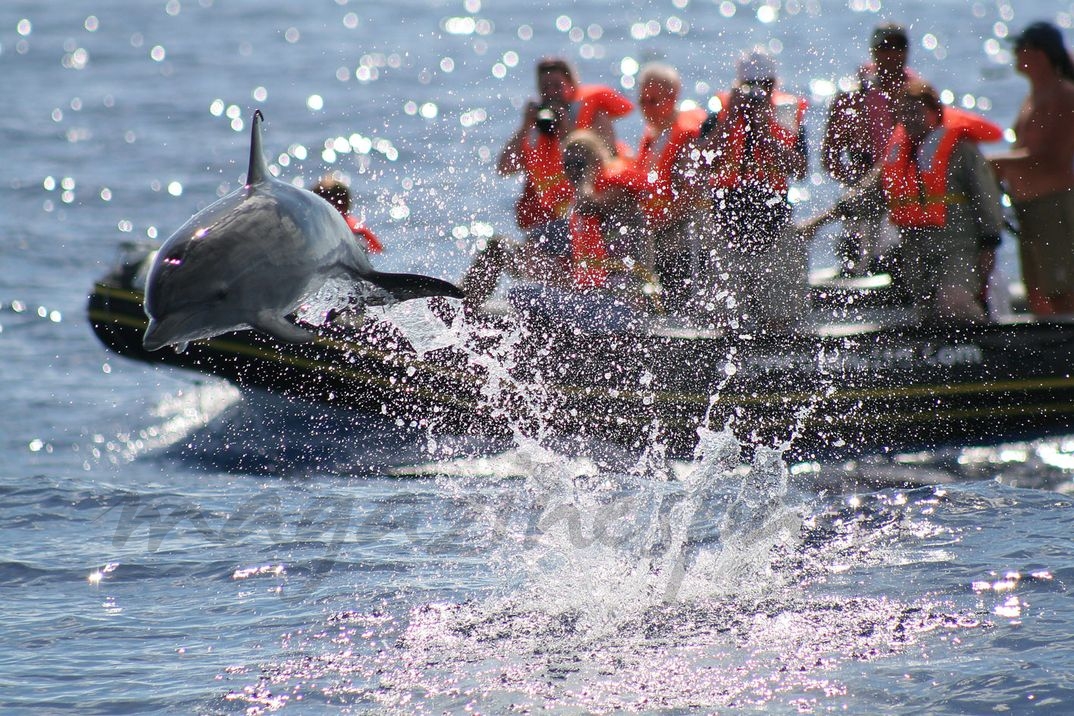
pixel 982 192
pixel 971 173
pixel 785 150
pixel 866 194
pixel 511 159
pixel 1039 144
pixel 838 132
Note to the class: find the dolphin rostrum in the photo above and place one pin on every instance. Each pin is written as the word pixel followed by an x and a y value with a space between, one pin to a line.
pixel 249 260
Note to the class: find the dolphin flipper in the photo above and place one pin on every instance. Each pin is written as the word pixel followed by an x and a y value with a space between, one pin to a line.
pixel 406 286
pixel 281 328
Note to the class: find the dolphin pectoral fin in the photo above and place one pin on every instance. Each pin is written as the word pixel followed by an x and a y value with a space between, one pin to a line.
pixel 280 327
pixel 407 286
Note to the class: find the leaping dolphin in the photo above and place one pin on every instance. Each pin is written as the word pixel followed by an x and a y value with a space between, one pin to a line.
pixel 249 260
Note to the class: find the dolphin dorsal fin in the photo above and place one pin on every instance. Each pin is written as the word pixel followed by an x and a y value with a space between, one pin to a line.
pixel 258 171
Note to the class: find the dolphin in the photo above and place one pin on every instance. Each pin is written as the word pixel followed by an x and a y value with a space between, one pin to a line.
pixel 251 258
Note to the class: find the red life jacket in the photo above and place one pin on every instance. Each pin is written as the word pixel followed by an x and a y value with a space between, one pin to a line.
pixel 547 194
pixel 589 251
pixel 730 169
pixel 918 198
pixel 372 243
pixel 657 163
pixel 594 98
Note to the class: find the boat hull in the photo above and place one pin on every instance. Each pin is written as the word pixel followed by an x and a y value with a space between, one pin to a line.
pixel 819 395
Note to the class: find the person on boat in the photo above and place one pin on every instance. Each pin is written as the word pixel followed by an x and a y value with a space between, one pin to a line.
pixel 607 223
pixel 535 151
pixel 605 233
pixel 859 128
pixel 746 156
pixel 1039 170
pixel 943 198
pixel 336 193
pixel 668 201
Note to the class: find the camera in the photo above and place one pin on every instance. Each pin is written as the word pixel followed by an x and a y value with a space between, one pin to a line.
pixel 547 119
pixel 753 93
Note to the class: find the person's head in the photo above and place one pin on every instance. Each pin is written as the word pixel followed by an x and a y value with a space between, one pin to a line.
pixel 1040 46
pixel 756 72
pixel 658 93
pixel 556 80
pixel 333 190
pixel 919 109
pixel 584 154
pixel 890 47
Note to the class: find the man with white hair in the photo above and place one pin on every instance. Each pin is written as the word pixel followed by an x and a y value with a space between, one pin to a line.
pixel 750 151
pixel 668 202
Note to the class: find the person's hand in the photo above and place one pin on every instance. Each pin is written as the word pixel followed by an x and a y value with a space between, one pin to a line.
pixel 752 103
pixel 529 115
pixel 587 203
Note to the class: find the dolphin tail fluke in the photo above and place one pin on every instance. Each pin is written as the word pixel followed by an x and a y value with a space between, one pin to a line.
pixel 406 286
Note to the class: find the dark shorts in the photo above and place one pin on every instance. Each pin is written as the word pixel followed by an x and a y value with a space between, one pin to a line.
pixel 1046 243
pixel 553 238
pixel 752 217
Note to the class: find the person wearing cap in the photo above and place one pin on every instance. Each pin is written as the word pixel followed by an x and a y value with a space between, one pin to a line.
pixel 748 153
pixel 944 200
pixel 859 127
pixel 669 203
pixel 1038 172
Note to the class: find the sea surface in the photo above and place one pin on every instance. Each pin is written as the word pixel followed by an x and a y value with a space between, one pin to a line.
pixel 171 545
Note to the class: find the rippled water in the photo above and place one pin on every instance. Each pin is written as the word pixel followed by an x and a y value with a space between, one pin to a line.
pixel 169 544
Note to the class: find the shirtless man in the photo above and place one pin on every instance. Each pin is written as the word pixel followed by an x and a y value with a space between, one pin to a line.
pixel 1039 171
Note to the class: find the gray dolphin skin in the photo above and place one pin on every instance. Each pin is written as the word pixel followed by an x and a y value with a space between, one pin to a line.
pixel 249 259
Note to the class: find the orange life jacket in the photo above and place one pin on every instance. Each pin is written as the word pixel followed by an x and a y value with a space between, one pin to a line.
pixel 730 168
pixel 918 198
pixel 547 194
pixel 588 251
pixel 593 98
pixel 973 126
pixel 657 163
pixel 372 243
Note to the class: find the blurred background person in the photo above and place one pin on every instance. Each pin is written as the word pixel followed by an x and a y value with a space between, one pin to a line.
pixel 669 202
pixel 943 197
pixel 747 156
pixel 335 191
pixel 1039 171
pixel 859 126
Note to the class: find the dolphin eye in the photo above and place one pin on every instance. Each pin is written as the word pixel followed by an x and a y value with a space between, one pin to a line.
pixel 220 294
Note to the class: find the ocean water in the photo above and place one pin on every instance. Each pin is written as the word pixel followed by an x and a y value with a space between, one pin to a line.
pixel 170 545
